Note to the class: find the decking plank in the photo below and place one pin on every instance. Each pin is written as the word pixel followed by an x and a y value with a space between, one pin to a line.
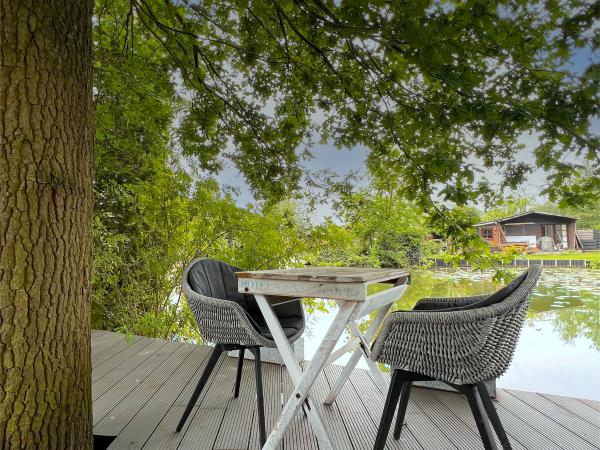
pixel 548 427
pixel 95 334
pixel 140 427
pixel 369 392
pixel 300 434
pixel 104 341
pixel 124 400
pixel 456 430
pixel 574 406
pixel 591 403
pixel 140 391
pixel 560 415
pixel 331 414
pixel 272 390
pixel 240 412
pixel 361 405
pixel 206 421
pixel 101 385
pixel 520 434
pixel 120 358
pixel 165 436
pixel 115 348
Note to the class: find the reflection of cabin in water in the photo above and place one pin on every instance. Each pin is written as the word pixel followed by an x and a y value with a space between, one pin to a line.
pixel 534 230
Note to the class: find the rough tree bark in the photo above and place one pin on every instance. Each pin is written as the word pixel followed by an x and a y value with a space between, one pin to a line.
pixel 45 223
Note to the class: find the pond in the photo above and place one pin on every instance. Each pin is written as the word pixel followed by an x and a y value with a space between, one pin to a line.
pixel 559 348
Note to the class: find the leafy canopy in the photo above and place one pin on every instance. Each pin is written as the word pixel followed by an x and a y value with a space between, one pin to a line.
pixel 431 88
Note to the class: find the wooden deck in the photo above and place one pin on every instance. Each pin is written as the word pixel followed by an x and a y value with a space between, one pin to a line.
pixel 141 387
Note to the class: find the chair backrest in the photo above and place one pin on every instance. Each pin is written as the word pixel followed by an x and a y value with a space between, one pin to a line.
pixel 498 296
pixel 509 318
pixel 213 278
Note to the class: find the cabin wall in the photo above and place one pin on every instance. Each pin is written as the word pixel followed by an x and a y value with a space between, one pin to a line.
pixel 523 230
pixel 571 231
pixel 495 239
pixel 495 235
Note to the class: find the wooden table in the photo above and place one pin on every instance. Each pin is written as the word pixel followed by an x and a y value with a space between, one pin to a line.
pixel 348 287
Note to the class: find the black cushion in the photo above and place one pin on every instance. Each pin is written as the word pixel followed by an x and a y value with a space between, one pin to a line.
pixel 490 300
pixel 290 325
pixel 217 279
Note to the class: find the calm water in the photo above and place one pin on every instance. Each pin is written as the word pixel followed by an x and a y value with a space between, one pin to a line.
pixel 559 348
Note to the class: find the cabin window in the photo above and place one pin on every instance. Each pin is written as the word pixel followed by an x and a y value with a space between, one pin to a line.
pixel 487 233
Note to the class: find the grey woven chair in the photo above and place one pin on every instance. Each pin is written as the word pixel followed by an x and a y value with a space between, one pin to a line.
pixel 460 341
pixel 232 321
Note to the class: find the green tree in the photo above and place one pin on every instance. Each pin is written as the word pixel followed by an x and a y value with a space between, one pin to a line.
pixel 506 207
pixel 382 230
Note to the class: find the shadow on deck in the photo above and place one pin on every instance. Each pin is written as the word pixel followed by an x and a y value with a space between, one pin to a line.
pixel 140 389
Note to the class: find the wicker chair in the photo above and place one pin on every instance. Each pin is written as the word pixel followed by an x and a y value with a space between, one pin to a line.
pixel 232 321
pixel 459 341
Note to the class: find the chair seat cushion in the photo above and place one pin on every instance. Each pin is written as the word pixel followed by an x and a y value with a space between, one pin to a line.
pixel 290 325
pixel 490 300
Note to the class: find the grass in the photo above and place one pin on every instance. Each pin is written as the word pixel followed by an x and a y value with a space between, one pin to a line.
pixel 585 256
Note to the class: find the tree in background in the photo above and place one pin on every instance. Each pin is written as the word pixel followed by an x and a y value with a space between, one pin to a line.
pixel 389 230
pixel 511 205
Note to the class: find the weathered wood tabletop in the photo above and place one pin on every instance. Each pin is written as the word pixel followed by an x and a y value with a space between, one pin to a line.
pixel 338 283
pixel 328 274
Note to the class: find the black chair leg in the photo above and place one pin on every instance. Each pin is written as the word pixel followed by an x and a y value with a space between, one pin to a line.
pixel 388 410
pixel 404 396
pixel 493 416
pixel 238 377
pixel 480 416
pixel 259 394
pixel 212 362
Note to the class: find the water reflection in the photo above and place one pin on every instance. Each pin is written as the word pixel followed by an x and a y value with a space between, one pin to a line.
pixel 559 349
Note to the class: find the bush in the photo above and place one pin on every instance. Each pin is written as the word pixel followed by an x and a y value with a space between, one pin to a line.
pixel 396 249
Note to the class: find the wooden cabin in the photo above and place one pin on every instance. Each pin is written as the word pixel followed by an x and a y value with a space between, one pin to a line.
pixel 533 230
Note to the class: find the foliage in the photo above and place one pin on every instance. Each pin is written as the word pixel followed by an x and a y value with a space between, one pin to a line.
pixel 506 207
pixel 587 217
pixel 381 230
pixel 154 212
pixel 428 87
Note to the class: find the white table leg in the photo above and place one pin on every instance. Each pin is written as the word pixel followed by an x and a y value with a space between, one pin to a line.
pixel 358 352
pixel 303 381
pixel 366 353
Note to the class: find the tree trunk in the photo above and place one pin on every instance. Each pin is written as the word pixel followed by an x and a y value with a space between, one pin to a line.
pixel 46 134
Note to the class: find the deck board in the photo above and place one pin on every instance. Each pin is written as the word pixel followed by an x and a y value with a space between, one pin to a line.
pixel 300 431
pixel 580 409
pixel 338 430
pixel 151 414
pixel 141 386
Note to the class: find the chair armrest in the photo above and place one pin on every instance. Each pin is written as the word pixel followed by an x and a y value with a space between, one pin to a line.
pixel 442 345
pixel 433 303
pixel 224 321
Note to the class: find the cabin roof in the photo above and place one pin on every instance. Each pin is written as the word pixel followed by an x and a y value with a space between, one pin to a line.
pixel 523 215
